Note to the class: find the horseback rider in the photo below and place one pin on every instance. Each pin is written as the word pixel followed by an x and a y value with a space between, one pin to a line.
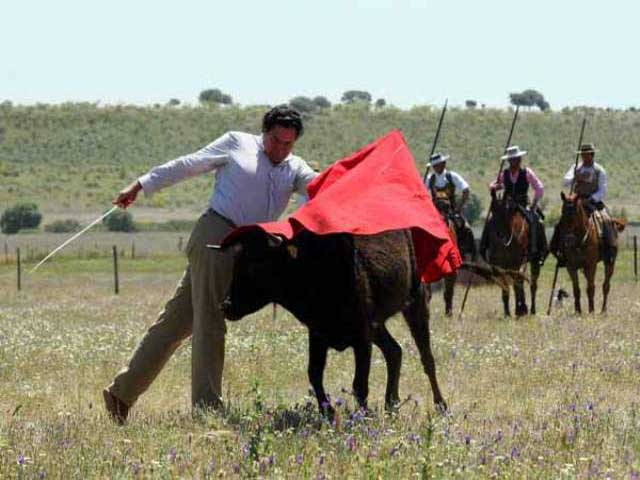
pixel 590 184
pixel 444 184
pixel 515 181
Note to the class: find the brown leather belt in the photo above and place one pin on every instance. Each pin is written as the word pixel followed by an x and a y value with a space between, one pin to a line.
pixel 222 217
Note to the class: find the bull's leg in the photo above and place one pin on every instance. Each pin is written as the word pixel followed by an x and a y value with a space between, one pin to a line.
pixel 393 357
pixel 362 354
pixel 317 360
pixel 535 273
pixel 606 285
pixel 573 273
pixel 417 317
pixel 521 303
pixel 590 275
pixel 505 302
pixel 449 284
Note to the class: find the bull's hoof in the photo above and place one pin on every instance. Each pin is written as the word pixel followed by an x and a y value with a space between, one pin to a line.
pixel 441 407
pixel 521 311
pixel 328 412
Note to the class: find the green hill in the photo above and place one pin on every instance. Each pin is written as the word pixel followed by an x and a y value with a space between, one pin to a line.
pixel 72 158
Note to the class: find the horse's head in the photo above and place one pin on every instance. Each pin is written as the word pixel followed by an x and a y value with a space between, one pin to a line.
pixel 502 210
pixel 571 208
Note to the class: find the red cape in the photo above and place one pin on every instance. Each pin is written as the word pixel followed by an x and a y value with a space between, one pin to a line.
pixel 376 189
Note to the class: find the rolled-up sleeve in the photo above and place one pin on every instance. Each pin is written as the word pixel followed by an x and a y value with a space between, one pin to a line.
pixel 459 182
pixel 536 184
pixel 213 156
pixel 304 175
pixel 568 177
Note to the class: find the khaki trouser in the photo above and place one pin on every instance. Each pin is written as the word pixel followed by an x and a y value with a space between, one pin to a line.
pixel 193 310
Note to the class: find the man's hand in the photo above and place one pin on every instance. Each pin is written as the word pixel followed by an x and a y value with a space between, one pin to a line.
pixel 127 196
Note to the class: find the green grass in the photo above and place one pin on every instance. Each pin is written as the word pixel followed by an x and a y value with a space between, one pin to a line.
pixel 72 159
pixel 541 397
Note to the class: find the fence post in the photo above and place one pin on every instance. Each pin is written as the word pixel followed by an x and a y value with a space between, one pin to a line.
pixel 19 267
pixel 6 252
pixel 133 249
pixel 180 244
pixel 115 270
pixel 635 257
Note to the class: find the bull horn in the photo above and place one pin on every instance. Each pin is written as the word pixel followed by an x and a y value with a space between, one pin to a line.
pixel 274 240
pixel 214 247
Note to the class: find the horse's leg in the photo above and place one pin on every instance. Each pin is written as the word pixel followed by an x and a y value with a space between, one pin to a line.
pixel 606 285
pixel 573 273
pixel 449 284
pixel 535 273
pixel 393 358
pixel 505 302
pixel 590 275
pixel 521 303
pixel 417 317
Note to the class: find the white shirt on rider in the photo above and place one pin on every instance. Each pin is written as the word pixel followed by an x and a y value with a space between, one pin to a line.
pixel 441 180
pixel 587 172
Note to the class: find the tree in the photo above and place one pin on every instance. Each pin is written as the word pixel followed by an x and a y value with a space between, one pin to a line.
pixel 214 95
pixel 529 98
pixel 471 104
pixel 352 96
pixel 381 103
pixel 322 102
pixel 303 104
pixel 120 221
pixel 473 209
pixel 174 102
pixel 20 216
pixel 63 226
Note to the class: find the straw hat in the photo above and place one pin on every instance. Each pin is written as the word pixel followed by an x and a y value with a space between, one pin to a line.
pixel 437 159
pixel 513 152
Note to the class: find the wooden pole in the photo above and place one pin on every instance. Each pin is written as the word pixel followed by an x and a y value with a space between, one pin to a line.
pixel 635 257
pixel 116 280
pixel 133 249
pixel 6 252
pixel 180 244
pixel 19 267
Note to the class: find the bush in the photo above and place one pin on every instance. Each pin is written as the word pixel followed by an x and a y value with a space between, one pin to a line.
pixel 120 221
pixel 63 226
pixel 473 209
pixel 20 216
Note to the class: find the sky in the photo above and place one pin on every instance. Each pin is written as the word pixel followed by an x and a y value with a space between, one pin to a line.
pixel 409 52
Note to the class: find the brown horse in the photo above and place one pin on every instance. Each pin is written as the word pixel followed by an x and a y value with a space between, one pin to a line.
pixel 508 248
pixel 462 236
pixel 582 249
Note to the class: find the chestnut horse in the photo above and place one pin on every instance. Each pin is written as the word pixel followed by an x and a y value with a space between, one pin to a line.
pixel 508 248
pixel 582 249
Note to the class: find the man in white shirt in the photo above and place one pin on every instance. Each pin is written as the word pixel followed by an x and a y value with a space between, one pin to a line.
pixel 255 178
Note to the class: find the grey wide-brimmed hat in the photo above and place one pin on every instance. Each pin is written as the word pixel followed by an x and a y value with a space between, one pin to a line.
pixel 437 159
pixel 513 152
pixel 587 148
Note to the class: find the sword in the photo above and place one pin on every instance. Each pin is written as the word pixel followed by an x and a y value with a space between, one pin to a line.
pixel 67 242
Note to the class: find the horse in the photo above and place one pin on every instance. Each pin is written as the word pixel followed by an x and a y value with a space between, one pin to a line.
pixel 462 236
pixel 508 248
pixel 582 248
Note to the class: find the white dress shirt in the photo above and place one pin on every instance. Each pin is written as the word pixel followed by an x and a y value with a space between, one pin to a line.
pixel 249 188
pixel 601 193
pixel 441 180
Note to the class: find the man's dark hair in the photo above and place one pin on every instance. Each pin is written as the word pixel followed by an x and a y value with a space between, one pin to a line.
pixel 284 116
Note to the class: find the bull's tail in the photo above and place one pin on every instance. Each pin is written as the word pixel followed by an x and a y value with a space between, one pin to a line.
pixel 501 277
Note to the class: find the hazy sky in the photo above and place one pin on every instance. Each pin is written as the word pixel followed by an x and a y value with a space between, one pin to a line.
pixel 406 51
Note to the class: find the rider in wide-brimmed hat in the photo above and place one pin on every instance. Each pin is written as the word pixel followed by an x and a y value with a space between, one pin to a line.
pixel 516 181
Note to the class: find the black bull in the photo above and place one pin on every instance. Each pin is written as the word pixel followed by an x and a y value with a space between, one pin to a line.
pixel 343 288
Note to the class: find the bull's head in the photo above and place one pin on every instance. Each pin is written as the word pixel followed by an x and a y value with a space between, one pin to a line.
pixel 259 270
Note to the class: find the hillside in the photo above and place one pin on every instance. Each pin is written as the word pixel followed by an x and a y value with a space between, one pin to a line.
pixel 72 158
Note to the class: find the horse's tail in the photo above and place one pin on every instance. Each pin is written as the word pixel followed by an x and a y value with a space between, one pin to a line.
pixel 501 277
pixel 619 223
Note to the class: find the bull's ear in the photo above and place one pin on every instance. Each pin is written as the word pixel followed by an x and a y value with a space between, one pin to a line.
pixel 293 251
pixel 563 196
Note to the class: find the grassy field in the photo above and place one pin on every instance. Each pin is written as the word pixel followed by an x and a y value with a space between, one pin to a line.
pixel 542 397
pixel 72 158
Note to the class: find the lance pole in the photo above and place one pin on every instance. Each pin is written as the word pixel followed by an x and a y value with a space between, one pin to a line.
pixel 486 218
pixel 573 181
pixel 435 140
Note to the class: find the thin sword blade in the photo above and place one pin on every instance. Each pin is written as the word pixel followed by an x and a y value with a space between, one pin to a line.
pixel 67 242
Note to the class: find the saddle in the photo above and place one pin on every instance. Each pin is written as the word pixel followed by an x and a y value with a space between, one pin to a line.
pixel 605 227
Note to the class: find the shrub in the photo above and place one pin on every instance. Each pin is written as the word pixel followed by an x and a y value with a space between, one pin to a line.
pixel 119 221
pixel 63 226
pixel 20 216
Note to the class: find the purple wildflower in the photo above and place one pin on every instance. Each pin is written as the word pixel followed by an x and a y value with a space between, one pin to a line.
pixel 515 453
pixel 499 436
pixel 414 438
pixel 299 459
pixel 634 475
pixel 467 440
pixel 339 402
pixel 351 443
pixel 236 468
pixel 22 461
pixel 322 459
pixel 394 451
pixel 42 474
pixel 135 468
pixel 171 455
